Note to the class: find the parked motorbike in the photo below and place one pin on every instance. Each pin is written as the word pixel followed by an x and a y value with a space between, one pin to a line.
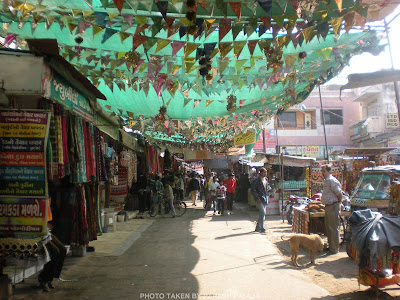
pixel 294 200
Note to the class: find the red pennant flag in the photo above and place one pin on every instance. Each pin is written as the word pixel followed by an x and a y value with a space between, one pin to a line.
pixel 266 21
pixel 252 45
pixel 224 28
pixel 237 8
pixel 169 21
pixel 241 102
pixel 138 40
pixel 119 4
pixel 140 29
pixel 176 46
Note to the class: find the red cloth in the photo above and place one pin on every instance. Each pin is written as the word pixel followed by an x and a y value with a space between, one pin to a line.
pixel 230 184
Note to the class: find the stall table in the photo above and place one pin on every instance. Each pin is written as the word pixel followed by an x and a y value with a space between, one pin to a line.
pixel 310 222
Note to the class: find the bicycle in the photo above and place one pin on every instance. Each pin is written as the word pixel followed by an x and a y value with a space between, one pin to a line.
pixel 163 207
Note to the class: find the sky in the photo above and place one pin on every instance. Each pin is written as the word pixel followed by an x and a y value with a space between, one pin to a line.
pixel 366 62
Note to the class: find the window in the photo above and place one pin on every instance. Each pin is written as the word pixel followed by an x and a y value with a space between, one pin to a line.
pixel 287 119
pixel 333 117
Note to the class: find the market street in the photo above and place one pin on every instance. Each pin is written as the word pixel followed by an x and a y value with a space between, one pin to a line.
pixel 195 256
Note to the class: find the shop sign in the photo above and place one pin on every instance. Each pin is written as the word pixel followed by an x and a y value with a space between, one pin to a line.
pixel 289 161
pixel 311 151
pixel 23 140
pixel 245 138
pixel 391 121
pixel 23 216
pixel 270 141
pixel 293 150
pixel 58 89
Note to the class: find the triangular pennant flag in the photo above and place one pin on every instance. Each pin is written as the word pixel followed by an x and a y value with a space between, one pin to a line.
pixel 236 29
pixel 323 15
pixel 107 34
pixel 223 63
pixel 224 48
pixel 148 43
pixel 209 48
pixel 188 66
pixel 209 23
pixel 251 45
pixel 118 4
pixel 224 28
pixel 239 64
pixel 176 46
pixel 157 26
pixel 112 15
pixel 241 102
pixel 279 20
pixel 266 5
pixel 195 103
pixel 290 59
pixel 308 33
pixel 208 102
pixel 185 102
pixel 221 5
pixel 349 21
pixel 249 30
pixel 190 47
pixel 162 44
pixel 238 47
pixel 76 12
pixel 72 27
pixel 323 29
pixel 140 29
pixel 237 8
pixel 141 20
pixel 123 36
pixel 339 4
pixel 128 19
pixel 162 7
pixel 336 22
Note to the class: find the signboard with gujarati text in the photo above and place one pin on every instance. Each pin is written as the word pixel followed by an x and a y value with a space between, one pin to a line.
pixel 23 216
pixel 23 140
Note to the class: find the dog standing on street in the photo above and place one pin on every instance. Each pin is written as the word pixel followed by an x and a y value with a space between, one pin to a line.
pixel 312 242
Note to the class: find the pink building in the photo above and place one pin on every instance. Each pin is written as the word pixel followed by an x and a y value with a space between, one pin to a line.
pixel 300 128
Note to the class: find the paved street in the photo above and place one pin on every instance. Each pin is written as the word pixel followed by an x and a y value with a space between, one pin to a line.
pixel 196 256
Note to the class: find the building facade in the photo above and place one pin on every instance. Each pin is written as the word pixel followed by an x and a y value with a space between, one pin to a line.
pixel 300 131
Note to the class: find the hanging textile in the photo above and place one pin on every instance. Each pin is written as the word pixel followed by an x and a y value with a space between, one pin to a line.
pixel 67 170
pixel 79 174
pixel 91 213
pixel 100 162
pixel 91 159
pixel 80 228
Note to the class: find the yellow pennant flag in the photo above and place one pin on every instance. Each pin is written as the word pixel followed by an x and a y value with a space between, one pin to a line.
pixel 339 4
pixel 141 20
pixel 223 63
pixel 184 21
pixel 224 48
pixel 323 14
pixel 326 52
pixel 239 64
pixel 76 12
pixel 188 66
pixel 238 47
pixel 190 47
pixel 209 23
pixel 112 15
pixel 308 33
pixel 87 13
pixel 215 51
pixel 120 54
pixel 336 22
pixel 162 44
pixel 72 27
pixel 208 102
pixel 96 29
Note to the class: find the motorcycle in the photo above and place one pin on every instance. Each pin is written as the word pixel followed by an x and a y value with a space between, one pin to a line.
pixel 294 200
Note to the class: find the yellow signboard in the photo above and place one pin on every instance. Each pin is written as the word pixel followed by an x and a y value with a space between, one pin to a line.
pixel 245 138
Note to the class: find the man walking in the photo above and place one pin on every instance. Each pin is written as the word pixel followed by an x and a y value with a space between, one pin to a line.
pixel 332 198
pixel 259 189
pixel 230 185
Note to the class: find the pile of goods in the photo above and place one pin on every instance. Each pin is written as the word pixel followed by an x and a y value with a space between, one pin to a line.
pixel 394 199
pixel 315 206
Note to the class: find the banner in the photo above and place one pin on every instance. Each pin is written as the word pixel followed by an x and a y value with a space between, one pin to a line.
pixel 23 140
pixel 245 138
pixel 23 217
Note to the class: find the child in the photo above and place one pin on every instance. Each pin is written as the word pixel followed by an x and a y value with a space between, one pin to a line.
pixel 221 191
pixel 169 197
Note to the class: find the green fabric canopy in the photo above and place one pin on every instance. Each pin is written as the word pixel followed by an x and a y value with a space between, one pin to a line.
pixel 191 57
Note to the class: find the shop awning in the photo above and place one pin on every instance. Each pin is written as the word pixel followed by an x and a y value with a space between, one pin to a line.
pixel 366 151
pixel 291 161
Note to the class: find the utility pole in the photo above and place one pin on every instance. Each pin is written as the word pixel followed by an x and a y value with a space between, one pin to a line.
pixel 323 122
pixel 396 89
